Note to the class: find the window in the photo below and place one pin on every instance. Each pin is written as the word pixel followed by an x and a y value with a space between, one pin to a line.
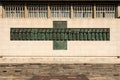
pixel 105 11
pixel 82 11
pixel 14 10
pixel 60 11
pixel 37 11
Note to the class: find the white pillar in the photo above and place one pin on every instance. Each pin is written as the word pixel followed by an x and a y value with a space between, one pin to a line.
pixel 118 11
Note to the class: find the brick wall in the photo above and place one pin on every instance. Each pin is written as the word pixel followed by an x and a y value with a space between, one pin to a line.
pixel 91 71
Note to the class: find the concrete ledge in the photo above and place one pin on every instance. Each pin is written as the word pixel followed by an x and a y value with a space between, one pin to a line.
pixel 59 60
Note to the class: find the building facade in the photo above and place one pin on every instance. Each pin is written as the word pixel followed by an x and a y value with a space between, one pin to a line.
pixel 59 28
pixel 59 38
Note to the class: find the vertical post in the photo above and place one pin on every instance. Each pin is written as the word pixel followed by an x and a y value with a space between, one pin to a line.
pixel 94 9
pixel 117 15
pixel 0 10
pixel 116 10
pixel 49 11
pixel 71 11
pixel 26 11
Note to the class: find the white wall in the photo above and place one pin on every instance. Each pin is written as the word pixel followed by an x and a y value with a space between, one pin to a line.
pixel 45 48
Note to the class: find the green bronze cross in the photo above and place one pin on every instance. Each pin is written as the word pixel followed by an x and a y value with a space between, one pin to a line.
pixel 60 34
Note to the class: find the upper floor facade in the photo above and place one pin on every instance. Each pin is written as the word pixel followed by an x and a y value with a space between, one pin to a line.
pixel 65 9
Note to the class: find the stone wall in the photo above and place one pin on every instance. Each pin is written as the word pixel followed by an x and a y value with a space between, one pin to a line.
pixel 91 71
pixel 45 48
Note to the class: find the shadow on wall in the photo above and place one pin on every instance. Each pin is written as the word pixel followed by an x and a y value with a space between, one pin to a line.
pixel 79 77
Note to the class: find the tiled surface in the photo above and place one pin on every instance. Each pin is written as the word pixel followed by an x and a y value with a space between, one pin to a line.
pixel 80 77
pixel 59 71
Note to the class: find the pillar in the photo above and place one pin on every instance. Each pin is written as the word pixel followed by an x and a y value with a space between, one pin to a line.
pixel 1 10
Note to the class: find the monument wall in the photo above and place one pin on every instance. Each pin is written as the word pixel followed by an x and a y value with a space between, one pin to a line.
pixel 45 48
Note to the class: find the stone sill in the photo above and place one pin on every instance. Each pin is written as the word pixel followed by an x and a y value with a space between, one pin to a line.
pixel 60 60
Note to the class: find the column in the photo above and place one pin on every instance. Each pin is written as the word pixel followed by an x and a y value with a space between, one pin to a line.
pixel 118 11
pixel 1 10
pixel 71 11
pixel 48 11
pixel 94 11
pixel 26 11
